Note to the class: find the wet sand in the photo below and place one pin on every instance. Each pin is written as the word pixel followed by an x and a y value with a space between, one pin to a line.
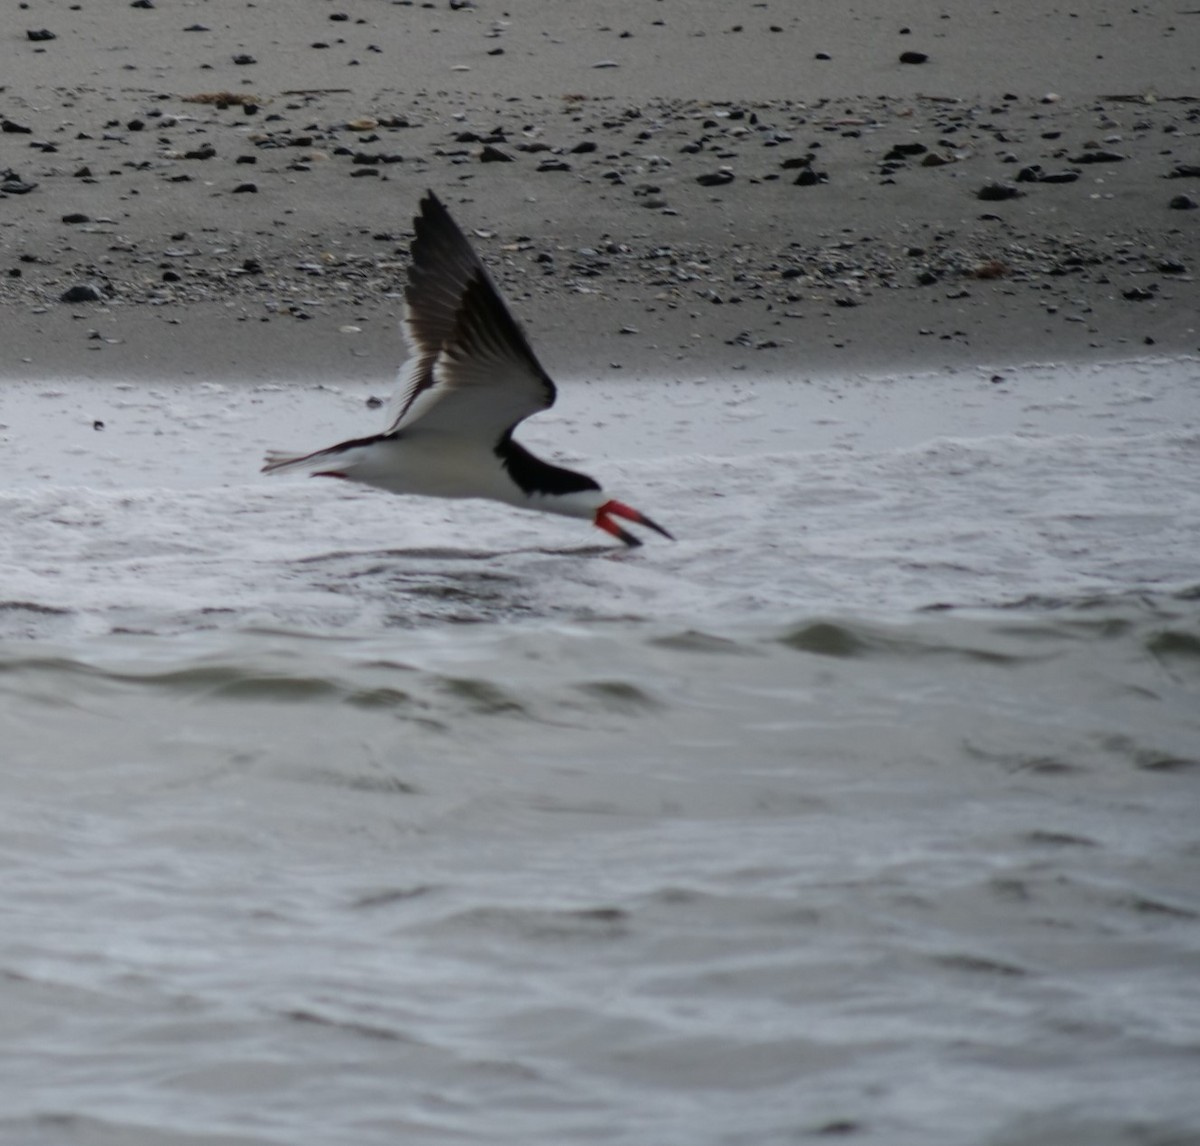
pixel 661 189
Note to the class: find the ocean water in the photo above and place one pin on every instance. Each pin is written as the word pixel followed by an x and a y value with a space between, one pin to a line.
pixel 866 811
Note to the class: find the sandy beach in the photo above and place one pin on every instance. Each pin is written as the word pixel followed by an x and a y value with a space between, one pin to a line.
pixel 662 188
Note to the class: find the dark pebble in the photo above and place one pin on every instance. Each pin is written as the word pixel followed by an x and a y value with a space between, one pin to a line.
pixel 491 154
pixel 554 165
pixel 715 178
pixel 1183 203
pixel 246 188
pixel 1180 171
pixel 244 58
pixel 1098 157
pixel 12 184
pixel 822 56
pixel 171 276
pixel 11 128
pixel 246 159
pixel 1059 177
pixel 1138 294
pixel 39 34
pixel 142 4
pixel 810 178
pixel 82 292
pixel 584 148
pixel 913 57
pixel 205 152
pixel 995 192
pixel 76 217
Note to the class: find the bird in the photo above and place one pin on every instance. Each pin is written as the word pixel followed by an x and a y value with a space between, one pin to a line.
pixel 471 378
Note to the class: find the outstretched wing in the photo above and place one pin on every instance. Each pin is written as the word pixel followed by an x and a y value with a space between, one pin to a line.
pixel 471 370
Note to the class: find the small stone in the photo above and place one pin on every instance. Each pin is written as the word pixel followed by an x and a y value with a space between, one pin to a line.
pixel 82 292
pixel 554 165
pixel 246 188
pixel 40 34
pixel 997 192
pixel 244 58
pixel 913 57
pixel 810 178
pixel 142 4
pixel 1097 156
pixel 1138 294
pixel 1183 203
pixel 12 184
pixel 11 128
pixel 492 154
pixel 1059 177
pixel 715 178
pixel 76 217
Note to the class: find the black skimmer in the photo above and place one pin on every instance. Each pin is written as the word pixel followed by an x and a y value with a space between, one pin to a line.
pixel 470 380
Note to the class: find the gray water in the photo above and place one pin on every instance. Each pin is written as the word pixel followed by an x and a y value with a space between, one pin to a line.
pixel 867 811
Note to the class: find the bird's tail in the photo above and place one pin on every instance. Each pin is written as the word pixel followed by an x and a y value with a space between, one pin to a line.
pixel 277 462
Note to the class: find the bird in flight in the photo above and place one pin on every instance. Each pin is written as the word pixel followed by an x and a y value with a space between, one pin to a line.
pixel 471 378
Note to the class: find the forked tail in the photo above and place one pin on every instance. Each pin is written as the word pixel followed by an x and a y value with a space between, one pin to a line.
pixel 277 462
pixel 333 461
